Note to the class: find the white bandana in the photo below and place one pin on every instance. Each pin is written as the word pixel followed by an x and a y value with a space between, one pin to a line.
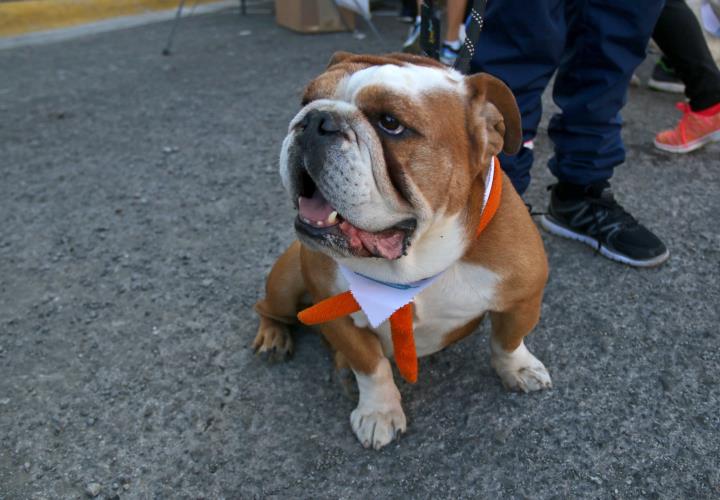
pixel 378 299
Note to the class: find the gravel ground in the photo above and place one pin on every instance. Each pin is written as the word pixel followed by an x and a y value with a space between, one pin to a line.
pixel 141 210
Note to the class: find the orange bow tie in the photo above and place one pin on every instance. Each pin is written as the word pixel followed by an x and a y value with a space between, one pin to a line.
pixel 401 321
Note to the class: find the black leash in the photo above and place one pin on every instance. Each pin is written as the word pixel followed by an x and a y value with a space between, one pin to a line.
pixel 430 33
pixel 472 35
pixel 429 30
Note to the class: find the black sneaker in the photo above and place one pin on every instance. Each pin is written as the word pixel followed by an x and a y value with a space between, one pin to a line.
pixel 665 79
pixel 449 54
pixel 591 215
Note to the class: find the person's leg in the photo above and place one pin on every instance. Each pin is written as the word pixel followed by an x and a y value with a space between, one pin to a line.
pixel 521 43
pixel 412 42
pixel 606 41
pixel 455 17
pixel 450 49
pixel 408 11
pixel 680 37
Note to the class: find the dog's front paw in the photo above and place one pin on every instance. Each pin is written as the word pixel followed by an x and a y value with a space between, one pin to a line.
pixel 520 370
pixel 273 340
pixel 377 428
pixel 379 417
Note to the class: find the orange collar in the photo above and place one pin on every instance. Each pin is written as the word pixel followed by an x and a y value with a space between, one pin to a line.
pixel 401 321
pixel 492 201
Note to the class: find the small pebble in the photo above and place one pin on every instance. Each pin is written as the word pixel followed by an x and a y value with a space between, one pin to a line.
pixel 93 489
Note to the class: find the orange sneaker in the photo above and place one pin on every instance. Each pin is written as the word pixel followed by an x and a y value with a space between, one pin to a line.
pixel 696 128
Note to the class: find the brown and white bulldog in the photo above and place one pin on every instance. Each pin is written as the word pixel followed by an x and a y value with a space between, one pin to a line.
pixel 387 164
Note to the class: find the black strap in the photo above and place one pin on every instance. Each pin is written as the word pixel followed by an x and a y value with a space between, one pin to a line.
pixel 429 30
pixel 472 35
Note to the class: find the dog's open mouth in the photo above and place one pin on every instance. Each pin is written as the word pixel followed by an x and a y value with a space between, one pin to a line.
pixel 318 219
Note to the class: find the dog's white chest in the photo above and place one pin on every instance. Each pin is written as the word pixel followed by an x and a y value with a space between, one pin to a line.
pixel 459 295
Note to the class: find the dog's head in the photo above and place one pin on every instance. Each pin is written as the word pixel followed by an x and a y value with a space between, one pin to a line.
pixel 383 156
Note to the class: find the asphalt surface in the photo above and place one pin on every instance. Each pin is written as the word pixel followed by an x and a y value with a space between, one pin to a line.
pixel 140 212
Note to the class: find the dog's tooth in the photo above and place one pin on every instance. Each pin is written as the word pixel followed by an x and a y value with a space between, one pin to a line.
pixel 332 217
pixel 306 221
pixel 319 223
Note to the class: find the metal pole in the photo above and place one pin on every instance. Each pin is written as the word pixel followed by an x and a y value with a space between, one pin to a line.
pixel 178 13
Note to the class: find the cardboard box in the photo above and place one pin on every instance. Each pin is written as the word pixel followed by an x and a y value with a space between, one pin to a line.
pixel 313 16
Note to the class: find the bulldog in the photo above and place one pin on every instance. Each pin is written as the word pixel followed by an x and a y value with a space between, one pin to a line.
pixel 391 166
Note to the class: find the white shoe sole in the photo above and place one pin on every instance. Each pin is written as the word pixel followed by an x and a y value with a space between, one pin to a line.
pixel 556 229
pixel 448 61
pixel 673 88
pixel 690 146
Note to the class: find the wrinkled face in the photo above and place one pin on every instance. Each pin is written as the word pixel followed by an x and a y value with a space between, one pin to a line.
pixel 383 150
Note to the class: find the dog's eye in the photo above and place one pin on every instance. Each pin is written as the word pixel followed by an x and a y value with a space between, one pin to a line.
pixel 391 125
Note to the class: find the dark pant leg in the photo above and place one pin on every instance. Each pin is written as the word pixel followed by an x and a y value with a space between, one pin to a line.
pixel 679 36
pixel 409 5
pixel 521 43
pixel 606 41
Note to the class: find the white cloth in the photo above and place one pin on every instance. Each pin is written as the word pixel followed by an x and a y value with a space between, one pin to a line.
pixel 362 7
pixel 379 300
pixel 488 183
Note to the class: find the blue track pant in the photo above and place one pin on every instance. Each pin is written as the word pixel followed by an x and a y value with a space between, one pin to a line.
pixel 595 45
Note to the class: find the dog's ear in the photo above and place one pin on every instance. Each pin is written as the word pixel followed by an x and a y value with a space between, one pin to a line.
pixel 493 106
pixel 339 57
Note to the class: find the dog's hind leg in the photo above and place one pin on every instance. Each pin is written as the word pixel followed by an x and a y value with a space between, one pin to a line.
pixel 518 369
pixel 284 291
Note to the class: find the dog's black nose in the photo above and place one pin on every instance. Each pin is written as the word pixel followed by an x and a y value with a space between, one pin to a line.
pixel 322 122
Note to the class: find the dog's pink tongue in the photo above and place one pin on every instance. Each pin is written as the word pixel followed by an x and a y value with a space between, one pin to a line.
pixel 386 244
pixel 315 209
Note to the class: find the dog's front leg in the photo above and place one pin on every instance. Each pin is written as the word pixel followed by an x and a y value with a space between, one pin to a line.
pixel 379 417
pixel 518 369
